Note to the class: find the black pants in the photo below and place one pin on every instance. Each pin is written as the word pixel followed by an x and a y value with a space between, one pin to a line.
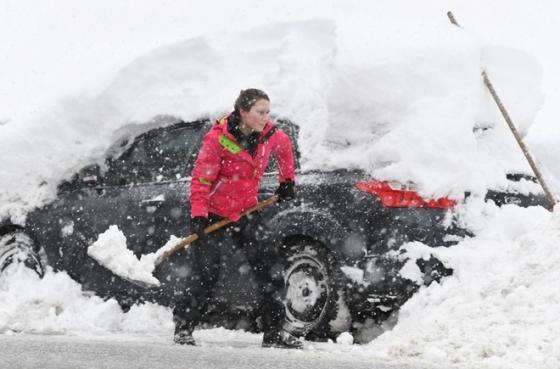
pixel 193 299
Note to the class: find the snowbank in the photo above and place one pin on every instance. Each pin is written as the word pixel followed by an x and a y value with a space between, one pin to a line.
pixel 56 304
pixel 498 309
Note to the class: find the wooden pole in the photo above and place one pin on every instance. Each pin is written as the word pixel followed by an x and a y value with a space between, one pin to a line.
pixel 509 122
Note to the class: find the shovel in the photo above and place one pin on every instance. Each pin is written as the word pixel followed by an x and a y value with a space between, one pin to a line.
pixel 548 193
pixel 110 251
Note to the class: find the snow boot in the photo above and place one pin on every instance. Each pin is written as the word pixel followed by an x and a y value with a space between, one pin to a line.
pixel 281 339
pixel 183 336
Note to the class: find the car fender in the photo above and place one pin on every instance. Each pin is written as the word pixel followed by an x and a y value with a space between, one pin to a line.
pixel 7 227
pixel 312 223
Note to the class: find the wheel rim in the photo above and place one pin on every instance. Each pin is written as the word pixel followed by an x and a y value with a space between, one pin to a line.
pixel 307 291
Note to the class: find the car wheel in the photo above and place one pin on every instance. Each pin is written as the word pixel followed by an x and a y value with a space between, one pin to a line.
pixel 18 247
pixel 311 280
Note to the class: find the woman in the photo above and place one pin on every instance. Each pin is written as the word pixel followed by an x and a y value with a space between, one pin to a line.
pixel 225 181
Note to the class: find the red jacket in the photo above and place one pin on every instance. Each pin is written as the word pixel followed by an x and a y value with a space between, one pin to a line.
pixel 226 178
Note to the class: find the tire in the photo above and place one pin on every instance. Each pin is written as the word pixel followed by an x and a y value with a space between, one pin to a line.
pixel 17 247
pixel 312 290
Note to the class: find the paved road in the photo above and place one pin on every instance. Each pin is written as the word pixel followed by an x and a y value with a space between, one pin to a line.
pixel 27 351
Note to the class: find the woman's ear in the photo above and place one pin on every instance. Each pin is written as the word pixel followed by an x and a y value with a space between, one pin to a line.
pixel 243 114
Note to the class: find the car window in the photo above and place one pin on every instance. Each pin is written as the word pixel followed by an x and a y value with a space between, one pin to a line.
pixel 162 154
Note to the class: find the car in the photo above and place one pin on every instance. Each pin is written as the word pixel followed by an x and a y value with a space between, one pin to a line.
pixel 341 237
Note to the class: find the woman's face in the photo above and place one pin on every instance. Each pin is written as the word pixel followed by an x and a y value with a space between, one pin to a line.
pixel 257 117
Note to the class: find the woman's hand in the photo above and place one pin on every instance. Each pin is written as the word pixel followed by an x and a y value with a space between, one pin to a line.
pixel 286 191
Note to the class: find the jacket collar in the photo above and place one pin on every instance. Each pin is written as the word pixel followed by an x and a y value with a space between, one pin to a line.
pixel 223 125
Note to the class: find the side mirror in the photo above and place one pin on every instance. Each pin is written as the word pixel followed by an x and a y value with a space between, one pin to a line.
pixel 89 175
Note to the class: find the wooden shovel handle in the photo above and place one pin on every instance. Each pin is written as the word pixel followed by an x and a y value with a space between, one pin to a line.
pixel 185 242
pixel 548 193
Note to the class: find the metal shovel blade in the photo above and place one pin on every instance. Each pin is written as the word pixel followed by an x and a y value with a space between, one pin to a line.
pixel 110 251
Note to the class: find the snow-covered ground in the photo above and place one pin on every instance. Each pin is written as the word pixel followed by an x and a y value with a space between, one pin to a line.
pixel 219 349
pixel 387 86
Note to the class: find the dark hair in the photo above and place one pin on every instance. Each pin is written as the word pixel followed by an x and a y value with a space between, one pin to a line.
pixel 247 98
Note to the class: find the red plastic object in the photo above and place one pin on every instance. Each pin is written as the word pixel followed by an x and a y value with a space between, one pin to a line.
pixel 403 198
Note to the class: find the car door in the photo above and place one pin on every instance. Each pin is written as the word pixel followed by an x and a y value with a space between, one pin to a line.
pixel 143 191
pixel 153 177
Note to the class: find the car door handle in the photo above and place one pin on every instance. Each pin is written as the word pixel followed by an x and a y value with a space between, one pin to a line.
pixel 151 202
pixel 151 205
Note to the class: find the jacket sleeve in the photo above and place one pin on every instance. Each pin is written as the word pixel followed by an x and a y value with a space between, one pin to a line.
pixel 204 174
pixel 283 151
